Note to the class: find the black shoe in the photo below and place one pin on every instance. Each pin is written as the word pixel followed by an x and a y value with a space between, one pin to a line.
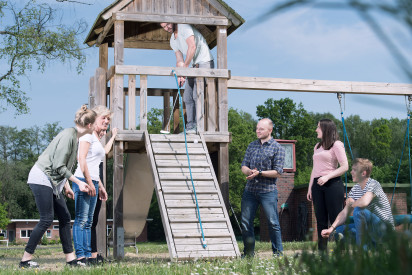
pixel 28 264
pixel 101 260
pixel 77 263
pixel 92 261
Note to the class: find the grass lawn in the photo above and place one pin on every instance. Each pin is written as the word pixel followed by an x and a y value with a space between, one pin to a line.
pixel 299 258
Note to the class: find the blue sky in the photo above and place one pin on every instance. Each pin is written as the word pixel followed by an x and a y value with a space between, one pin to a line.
pixel 303 43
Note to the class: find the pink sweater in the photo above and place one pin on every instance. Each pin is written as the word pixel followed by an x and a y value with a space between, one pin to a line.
pixel 326 161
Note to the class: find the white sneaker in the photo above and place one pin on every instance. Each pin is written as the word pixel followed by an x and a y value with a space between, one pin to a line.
pixel 192 131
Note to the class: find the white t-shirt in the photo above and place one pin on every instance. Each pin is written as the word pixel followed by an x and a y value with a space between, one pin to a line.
pixel 94 156
pixel 184 31
pixel 37 176
pixel 379 205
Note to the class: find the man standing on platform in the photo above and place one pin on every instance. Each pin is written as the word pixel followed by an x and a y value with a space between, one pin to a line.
pixel 262 164
pixel 188 41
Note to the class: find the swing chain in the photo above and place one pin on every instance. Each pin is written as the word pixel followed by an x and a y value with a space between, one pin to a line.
pixel 408 101
pixel 339 96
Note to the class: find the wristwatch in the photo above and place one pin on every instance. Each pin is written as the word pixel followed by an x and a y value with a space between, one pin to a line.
pixel 260 172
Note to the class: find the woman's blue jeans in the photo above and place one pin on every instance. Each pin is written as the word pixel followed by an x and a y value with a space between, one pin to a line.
pixel 84 209
pixel 250 203
pixel 366 228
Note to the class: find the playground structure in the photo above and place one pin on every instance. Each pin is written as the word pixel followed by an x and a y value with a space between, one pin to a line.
pixel 135 24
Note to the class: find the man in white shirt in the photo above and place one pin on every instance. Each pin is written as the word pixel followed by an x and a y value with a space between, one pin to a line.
pixel 188 41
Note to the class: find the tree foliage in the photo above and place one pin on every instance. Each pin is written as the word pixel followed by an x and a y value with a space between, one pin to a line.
pixel 30 38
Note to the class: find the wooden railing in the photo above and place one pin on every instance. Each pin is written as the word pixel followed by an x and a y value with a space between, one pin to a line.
pixel 211 111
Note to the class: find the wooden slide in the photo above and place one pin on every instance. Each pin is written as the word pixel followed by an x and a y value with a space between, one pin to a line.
pixel 169 165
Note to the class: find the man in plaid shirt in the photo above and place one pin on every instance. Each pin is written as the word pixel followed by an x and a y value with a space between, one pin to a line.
pixel 262 164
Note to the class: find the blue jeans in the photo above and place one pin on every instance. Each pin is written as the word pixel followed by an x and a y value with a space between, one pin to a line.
pixel 250 203
pixel 84 209
pixel 190 96
pixel 366 228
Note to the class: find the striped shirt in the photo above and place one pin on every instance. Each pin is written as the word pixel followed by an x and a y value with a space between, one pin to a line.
pixel 379 205
pixel 267 156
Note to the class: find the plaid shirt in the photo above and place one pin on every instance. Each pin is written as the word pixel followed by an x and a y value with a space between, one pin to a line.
pixel 267 156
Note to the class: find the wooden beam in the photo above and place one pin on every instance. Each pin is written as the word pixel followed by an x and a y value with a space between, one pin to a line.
pixel 118 42
pixel 318 86
pixel 92 93
pixel 117 102
pixel 118 182
pixel 167 71
pixel 103 34
pixel 172 18
pixel 110 73
pixel 104 56
pixel 200 104
pixel 166 111
pixel 132 102
pixel 143 102
pixel 119 6
pixel 100 86
pixel 221 34
pixel 225 11
pixel 211 105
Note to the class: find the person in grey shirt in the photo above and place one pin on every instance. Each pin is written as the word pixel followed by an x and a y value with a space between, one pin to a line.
pixel 188 41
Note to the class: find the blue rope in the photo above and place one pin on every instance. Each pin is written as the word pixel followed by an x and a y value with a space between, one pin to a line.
pixel 346 137
pixel 400 161
pixel 188 161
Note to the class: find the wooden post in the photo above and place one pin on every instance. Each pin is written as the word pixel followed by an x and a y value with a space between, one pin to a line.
pixel 176 114
pixel 101 233
pixel 166 111
pixel 104 56
pixel 200 104
pixel 132 102
pixel 118 111
pixel 143 102
pixel 223 114
pixel 100 86
pixel 211 105
pixel 92 93
pixel 118 181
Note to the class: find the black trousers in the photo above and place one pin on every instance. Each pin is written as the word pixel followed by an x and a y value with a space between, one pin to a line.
pixel 48 204
pixel 93 241
pixel 328 201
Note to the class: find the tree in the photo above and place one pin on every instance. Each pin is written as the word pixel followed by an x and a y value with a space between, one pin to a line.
pixel 4 220
pixel 31 36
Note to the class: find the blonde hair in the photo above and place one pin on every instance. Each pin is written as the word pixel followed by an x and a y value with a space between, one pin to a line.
pixel 85 116
pixel 364 165
pixel 102 111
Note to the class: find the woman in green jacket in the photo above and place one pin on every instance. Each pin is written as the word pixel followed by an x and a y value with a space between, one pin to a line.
pixel 47 178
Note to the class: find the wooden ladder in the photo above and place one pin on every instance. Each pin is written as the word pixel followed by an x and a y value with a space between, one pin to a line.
pixel 177 202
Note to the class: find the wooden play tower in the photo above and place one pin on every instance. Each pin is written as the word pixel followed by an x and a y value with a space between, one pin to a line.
pixel 160 161
pixel 135 24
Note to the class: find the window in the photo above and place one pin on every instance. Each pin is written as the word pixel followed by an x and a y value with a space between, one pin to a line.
pixel 25 233
pixel 108 229
pixel 55 227
pixel 3 233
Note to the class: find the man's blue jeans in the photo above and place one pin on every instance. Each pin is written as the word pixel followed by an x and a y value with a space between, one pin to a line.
pixel 84 209
pixel 250 203
pixel 366 228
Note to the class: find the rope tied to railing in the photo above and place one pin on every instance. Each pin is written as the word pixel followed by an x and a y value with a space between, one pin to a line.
pixel 188 161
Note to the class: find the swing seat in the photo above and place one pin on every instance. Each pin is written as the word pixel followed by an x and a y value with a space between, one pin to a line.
pixel 398 219
pixel 402 219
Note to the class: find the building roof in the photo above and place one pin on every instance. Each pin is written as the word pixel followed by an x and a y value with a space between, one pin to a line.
pixel 148 34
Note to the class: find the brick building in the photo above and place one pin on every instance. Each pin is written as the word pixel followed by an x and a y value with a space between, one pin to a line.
pixel 296 213
pixel 19 230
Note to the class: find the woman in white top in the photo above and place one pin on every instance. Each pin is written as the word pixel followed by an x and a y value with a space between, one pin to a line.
pixel 91 154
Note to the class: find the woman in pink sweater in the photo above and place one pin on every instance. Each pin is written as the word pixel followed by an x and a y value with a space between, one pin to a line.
pixel 326 186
